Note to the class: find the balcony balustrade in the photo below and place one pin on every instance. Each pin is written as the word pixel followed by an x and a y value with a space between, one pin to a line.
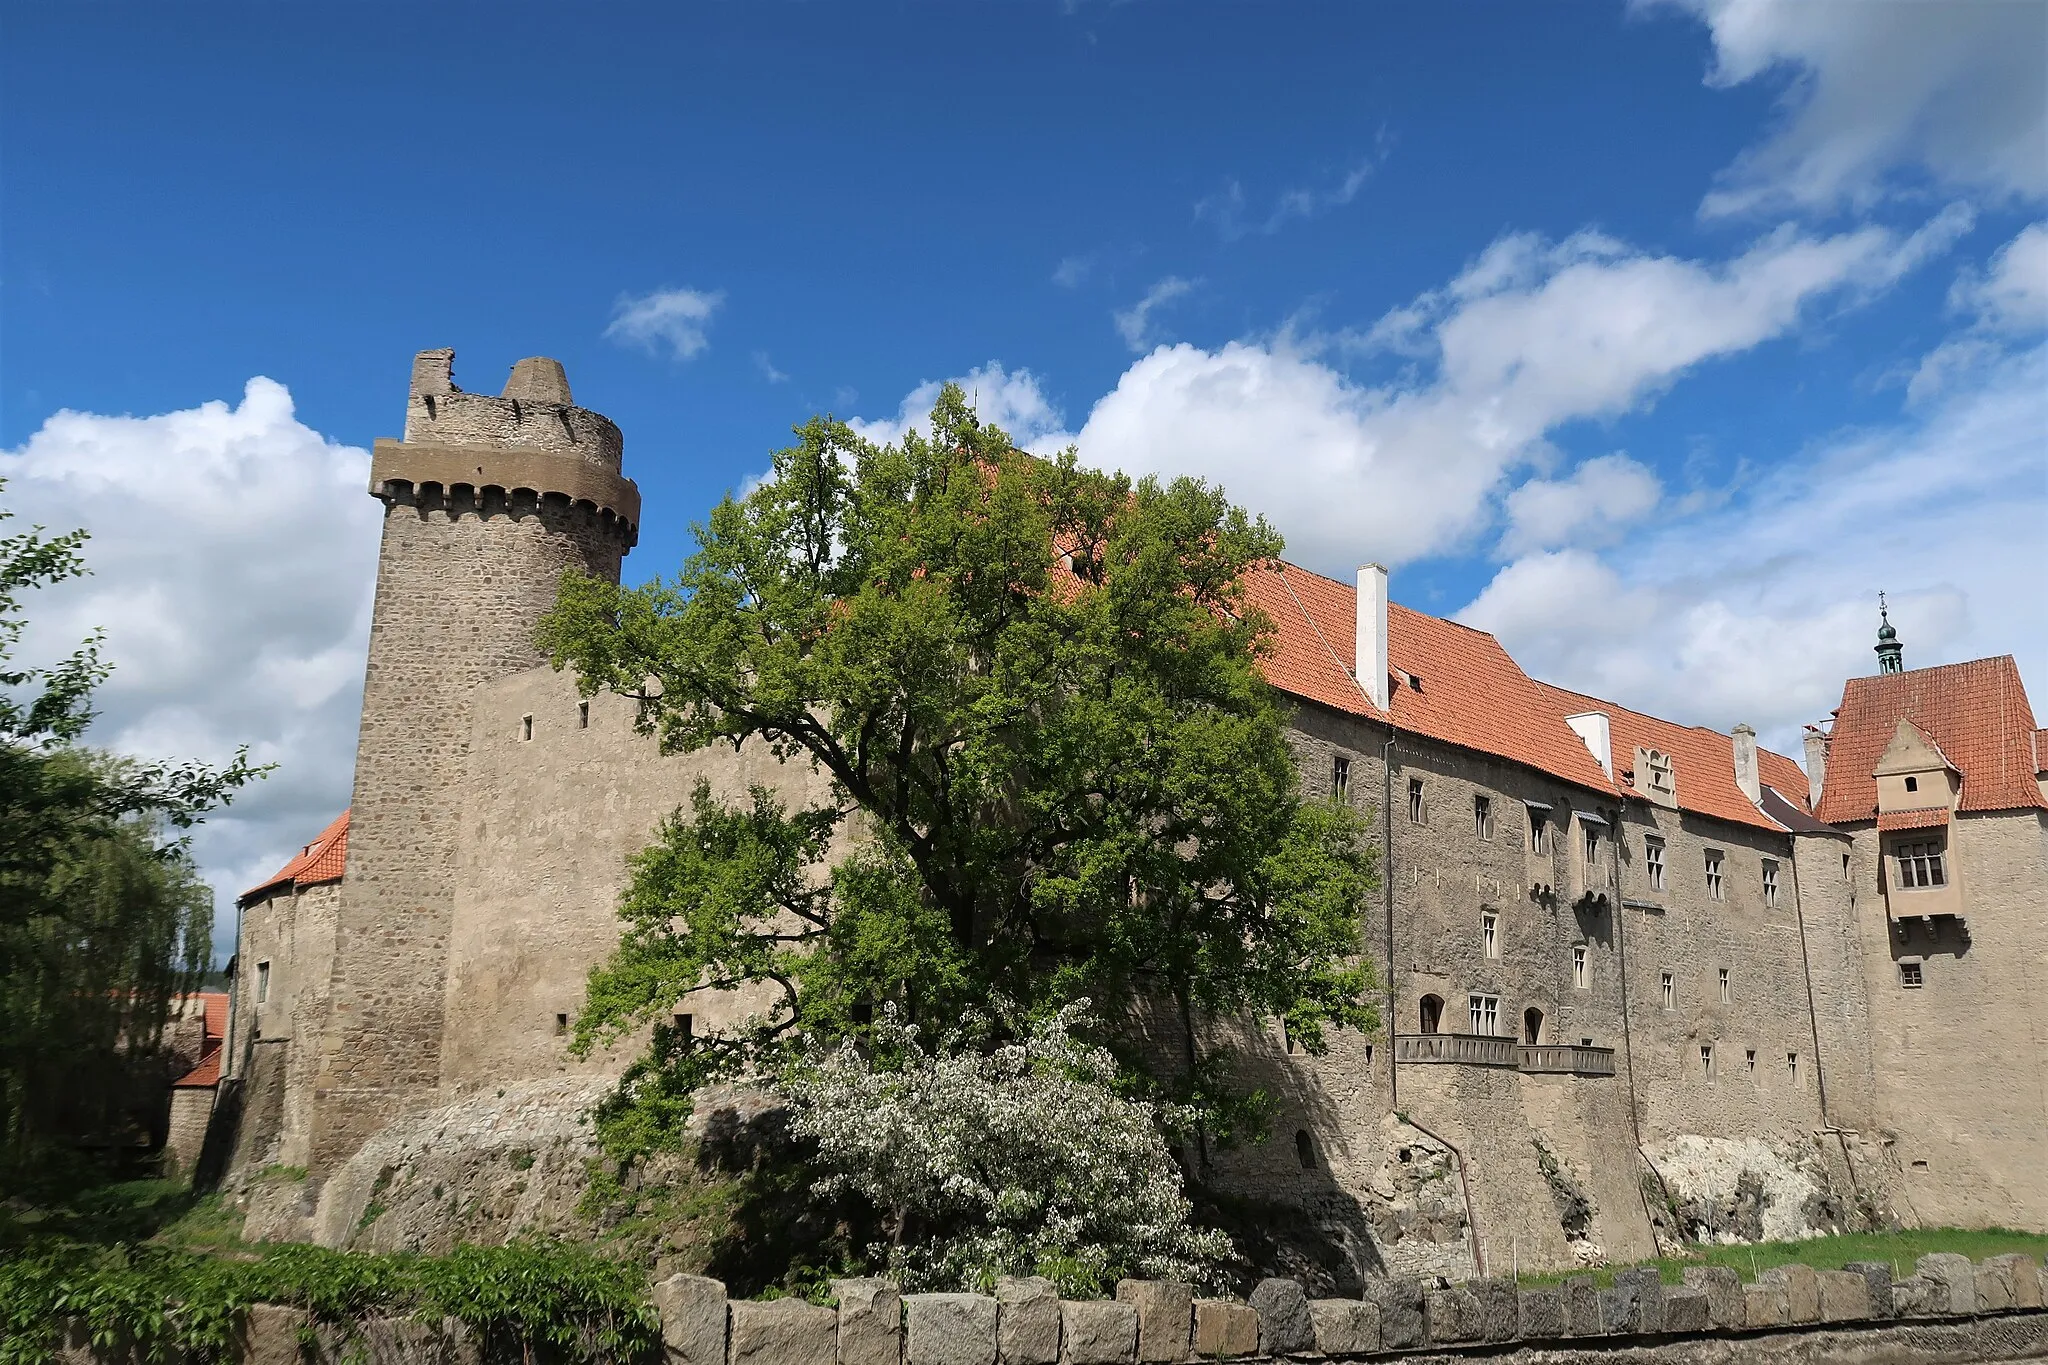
pixel 1468 1049
pixel 1565 1058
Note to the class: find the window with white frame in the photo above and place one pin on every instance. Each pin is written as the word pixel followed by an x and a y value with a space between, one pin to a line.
pixel 262 982
pixel 1340 778
pixel 1415 807
pixel 1670 990
pixel 1909 975
pixel 1715 890
pixel 1482 816
pixel 1489 932
pixel 1792 1066
pixel 1707 1060
pixel 1580 967
pixel 1770 883
pixel 1653 862
pixel 1485 1015
pixel 1726 994
pixel 1920 864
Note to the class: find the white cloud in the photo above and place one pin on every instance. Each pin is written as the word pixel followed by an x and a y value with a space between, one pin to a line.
pixel 768 370
pixel 2013 295
pixel 1530 336
pixel 1756 610
pixel 1134 324
pixel 233 557
pixel 1601 498
pixel 1952 92
pixel 1226 207
pixel 1010 399
pixel 676 318
pixel 1072 270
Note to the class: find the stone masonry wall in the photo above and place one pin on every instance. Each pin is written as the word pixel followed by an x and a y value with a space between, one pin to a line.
pixel 461 581
pixel 1961 1062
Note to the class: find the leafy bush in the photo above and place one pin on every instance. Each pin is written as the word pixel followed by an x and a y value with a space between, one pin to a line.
pixel 1024 1160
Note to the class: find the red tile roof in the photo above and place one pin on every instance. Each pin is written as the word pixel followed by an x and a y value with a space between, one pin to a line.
pixel 1471 693
pixel 1976 712
pixel 207 1072
pixel 1913 819
pixel 1702 760
pixel 320 861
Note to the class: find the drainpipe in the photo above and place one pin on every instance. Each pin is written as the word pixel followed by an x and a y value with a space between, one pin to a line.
pixel 1387 900
pixel 1820 1072
pixel 1464 1188
pixel 1628 1048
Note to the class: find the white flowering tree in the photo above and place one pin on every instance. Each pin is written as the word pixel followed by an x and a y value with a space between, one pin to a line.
pixel 1020 1161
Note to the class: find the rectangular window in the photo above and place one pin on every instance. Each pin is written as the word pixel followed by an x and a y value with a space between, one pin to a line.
pixel 1707 1060
pixel 1489 930
pixel 1749 1061
pixel 1485 1015
pixel 561 1024
pixel 1653 859
pixel 1340 778
pixel 1725 993
pixel 526 727
pixel 1670 989
pixel 1714 888
pixel 685 1030
pixel 1909 975
pixel 1770 883
pixel 583 715
pixel 1920 864
pixel 1845 868
pixel 1537 825
pixel 1415 800
pixel 1592 846
pixel 1482 816
pixel 1792 1066
pixel 262 982
pixel 1579 968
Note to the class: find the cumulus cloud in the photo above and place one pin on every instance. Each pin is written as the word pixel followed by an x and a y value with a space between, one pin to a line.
pixel 1602 497
pixel 1134 324
pixel 233 557
pixel 1010 399
pixel 1531 335
pixel 1756 609
pixel 676 319
pixel 1950 92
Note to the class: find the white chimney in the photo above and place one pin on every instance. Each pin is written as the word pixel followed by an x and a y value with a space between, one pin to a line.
pixel 1745 763
pixel 1594 728
pixel 1816 762
pixel 1371 663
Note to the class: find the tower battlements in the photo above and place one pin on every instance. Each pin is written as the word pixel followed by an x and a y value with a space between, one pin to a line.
pixel 504 454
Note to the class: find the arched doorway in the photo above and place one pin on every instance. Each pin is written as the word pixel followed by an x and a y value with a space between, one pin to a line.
pixel 1432 1013
pixel 1532 1025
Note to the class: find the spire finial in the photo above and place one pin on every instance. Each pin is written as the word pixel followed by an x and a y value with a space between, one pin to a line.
pixel 1890 653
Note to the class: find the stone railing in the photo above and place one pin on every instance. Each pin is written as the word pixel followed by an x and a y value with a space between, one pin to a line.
pixel 1471 1049
pixel 1953 1311
pixel 1571 1058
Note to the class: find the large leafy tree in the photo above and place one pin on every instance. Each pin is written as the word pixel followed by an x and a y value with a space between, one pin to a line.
pixel 103 920
pixel 1056 772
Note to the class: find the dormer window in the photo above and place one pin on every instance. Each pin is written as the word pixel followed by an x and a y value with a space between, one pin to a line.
pixel 1912 784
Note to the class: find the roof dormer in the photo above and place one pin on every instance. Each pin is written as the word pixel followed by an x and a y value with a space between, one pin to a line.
pixel 1656 777
pixel 1914 774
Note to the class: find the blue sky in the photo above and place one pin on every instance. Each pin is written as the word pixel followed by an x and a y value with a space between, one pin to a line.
pixel 1656 338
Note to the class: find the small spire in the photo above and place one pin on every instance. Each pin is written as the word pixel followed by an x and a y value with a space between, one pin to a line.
pixel 1890 653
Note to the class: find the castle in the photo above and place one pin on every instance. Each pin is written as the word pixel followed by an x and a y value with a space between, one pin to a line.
pixel 1642 979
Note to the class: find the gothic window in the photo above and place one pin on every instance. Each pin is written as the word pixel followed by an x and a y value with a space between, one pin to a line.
pixel 1482 816
pixel 1653 860
pixel 1579 971
pixel 1707 1060
pixel 1726 994
pixel 1715 890
pixel 1532 1026
pixel 1431 1014
pixel 1770 883
pixel 1415 810
pixel 1489 932
pixel 1670 989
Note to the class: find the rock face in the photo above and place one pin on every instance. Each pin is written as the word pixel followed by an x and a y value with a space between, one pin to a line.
pixel 481 1170
pixel 1745 1189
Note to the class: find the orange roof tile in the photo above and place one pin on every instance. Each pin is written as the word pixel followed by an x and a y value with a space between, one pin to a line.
pixel 320 861
pixel 1976 712
pixel 1912 819
pixel 1470 692
pixel 1702 760
pixel 207 1072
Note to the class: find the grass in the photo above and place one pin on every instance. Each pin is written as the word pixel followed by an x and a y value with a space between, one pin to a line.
pixel 1901 1249
pixel 163 1212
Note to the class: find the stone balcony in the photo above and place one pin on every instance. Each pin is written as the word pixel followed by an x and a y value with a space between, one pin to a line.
pixel 1467 1049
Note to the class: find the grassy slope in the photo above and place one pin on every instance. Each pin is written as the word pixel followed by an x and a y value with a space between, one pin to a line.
pixel 1831 1253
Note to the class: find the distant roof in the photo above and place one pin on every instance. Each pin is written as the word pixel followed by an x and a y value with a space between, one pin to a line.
pixel 1702 760
pixel 320 861
pixel 1976 712
pixel 1467 689
pixel 207 1072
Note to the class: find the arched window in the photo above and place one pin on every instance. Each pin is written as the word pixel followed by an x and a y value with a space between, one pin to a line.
pixel 1432 1013
pixel 1305 1148
pixel 1532 1025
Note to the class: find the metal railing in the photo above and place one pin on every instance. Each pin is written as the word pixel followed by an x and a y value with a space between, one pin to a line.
pixel 1470 1049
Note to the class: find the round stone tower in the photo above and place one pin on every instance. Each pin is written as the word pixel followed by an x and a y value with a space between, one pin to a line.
pixel 486 500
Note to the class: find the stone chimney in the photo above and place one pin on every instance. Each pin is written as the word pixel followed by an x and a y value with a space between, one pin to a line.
pixel 1816 762
pixel 1371 663
pixel 1745 763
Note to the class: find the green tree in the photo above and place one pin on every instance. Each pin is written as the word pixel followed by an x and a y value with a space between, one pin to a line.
pixel 1056 771
pixel 103 919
